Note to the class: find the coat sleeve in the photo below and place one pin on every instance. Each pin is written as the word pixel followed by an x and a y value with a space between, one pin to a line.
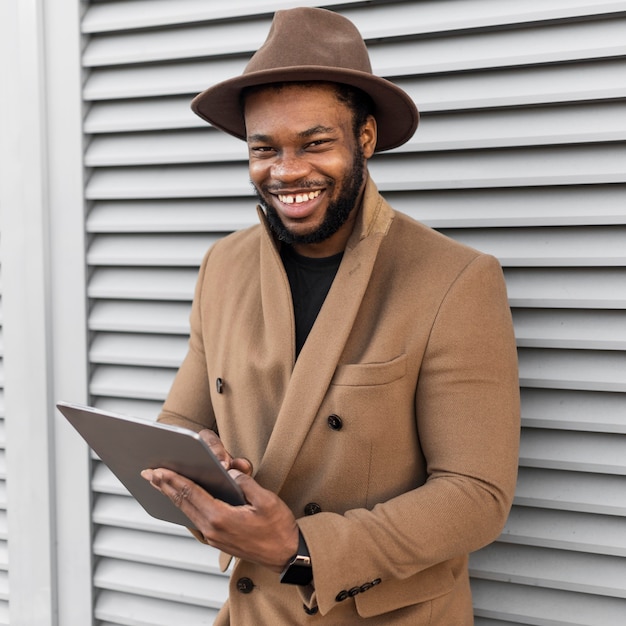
pixel 467 415
pixel 188 403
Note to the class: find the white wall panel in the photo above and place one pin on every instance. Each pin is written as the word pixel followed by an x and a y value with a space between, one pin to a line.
pixel 521 152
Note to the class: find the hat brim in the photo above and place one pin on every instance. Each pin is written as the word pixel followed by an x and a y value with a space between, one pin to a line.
pixel 396 114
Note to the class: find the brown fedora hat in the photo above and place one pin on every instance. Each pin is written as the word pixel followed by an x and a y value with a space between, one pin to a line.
pixel 307 44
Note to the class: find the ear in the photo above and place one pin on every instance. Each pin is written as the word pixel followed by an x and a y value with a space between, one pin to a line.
pixel 369 136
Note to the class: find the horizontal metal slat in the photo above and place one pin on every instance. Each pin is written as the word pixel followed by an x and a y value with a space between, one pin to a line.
pixel 565 124
pixel 583 452
pixel 142 317
pixel 566 530
pixel 526 206
pixel 562 328
pixel 535 85
pixel 138 349
pixel 574 410
pixel 110 16
pixel 141 383
pixel 550 246
pixel 164 583
pixel 165 216
pixel 601 246
pixel 571 491
pixel 156 549
pixel 554 165
pixel 572 369
pixel 132 610
pixel 525 85
pixel 4 559
pixel 512 167
pixel 525 604
pixel 476 51
pixel 166 147
pixel 149 249
pixel 144 409
pixel 172 79
pixel 537 42
pixel 140 115
pixel 187 41
pixel 553 43
pixel 191 181
pixel 554 569
pixel 572 124
pixel 125 512
pixel 143 283
pixel 586 288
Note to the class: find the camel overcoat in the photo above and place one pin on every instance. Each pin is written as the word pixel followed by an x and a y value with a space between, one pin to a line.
pixel 394 435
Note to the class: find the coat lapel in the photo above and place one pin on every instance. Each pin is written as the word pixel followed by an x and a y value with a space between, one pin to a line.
pixel 318 359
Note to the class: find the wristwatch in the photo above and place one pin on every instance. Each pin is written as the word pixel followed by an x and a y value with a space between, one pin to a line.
pixel 299 570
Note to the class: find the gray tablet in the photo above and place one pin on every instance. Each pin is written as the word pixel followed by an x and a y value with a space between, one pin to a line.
pixel 129 445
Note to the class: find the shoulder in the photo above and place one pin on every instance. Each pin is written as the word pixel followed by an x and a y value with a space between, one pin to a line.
pixel 415 243
pixel 238 247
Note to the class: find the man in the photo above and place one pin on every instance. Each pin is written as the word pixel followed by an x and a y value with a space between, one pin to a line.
pixel 354 370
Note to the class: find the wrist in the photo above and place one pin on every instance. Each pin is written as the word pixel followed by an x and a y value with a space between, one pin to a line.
pixel 299 569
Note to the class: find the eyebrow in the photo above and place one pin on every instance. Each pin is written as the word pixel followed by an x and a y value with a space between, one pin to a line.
pixel 305 134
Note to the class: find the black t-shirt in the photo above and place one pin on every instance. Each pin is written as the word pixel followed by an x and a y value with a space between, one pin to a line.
pixel 310 280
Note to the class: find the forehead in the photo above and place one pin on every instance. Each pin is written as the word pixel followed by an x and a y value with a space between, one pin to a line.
pixel 294 105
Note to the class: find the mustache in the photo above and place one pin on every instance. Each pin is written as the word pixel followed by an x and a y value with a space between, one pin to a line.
pixel 299 184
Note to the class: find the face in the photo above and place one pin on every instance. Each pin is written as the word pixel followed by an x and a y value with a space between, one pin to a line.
pixel 306 164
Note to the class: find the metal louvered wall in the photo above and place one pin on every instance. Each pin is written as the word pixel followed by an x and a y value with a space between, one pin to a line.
pixel 520 153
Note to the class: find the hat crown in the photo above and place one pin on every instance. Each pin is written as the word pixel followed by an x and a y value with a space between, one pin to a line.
pixel 311 37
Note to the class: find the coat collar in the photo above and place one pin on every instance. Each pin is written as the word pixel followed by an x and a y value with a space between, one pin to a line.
pixel 316 364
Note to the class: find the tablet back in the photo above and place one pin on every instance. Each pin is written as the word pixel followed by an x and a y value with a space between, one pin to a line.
pixel 129 445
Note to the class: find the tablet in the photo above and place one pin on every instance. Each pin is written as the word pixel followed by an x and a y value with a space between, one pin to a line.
pixel 128 445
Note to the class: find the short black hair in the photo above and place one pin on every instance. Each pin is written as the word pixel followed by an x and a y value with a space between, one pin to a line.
pixel 359 102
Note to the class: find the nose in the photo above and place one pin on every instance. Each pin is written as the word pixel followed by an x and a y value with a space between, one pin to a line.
pixel 289 168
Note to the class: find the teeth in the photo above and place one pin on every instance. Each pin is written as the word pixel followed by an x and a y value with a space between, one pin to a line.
pixel 300 197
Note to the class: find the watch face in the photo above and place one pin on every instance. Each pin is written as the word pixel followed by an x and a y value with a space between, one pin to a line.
pixel 299 572
pixel 297 575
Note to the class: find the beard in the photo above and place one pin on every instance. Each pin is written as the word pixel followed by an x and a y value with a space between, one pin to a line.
pixel 337 212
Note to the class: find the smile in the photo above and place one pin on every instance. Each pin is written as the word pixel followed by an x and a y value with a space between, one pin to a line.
pixel 299 197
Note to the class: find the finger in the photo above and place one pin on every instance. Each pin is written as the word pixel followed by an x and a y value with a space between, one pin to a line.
pixel 243 465
pixel 217 447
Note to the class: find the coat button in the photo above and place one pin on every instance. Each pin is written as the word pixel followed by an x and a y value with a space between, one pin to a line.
pixel 310 611
pixel 366 587
pixel 376 581
pixel 354 591
pixel 245 585
pixel 335 422
pixel 312 508
pixel 341 596
pixel 219 385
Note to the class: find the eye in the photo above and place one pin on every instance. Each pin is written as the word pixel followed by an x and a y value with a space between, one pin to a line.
pixel 318 143
pixel 262 151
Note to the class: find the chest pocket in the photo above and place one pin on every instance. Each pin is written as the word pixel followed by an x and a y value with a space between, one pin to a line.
pixel 370 374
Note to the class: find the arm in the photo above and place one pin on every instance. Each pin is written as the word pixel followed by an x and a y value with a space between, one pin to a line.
pixel 467 414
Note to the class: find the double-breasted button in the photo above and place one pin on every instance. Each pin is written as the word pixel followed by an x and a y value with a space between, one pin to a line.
pixel 335 422
pixel 365 587
pixel 341 596
pixel 376 581
pixel 219 385
pixel 354 591
pixel 310 611
pixel 245 585
pixel 312 508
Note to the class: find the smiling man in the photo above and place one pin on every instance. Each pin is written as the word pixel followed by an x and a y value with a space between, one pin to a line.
pixel 354 370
